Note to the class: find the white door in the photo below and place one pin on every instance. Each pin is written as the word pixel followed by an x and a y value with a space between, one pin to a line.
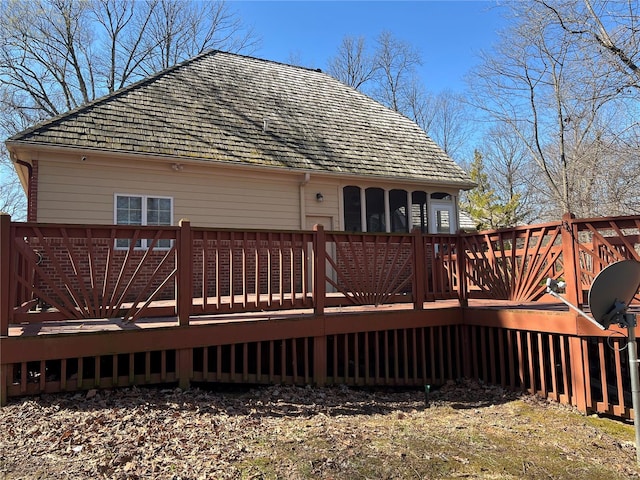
pixel 442 218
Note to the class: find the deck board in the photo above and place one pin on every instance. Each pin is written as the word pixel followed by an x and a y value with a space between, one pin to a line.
pixel 92 325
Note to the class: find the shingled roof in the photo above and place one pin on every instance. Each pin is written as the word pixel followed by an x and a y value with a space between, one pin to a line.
pixel 222 107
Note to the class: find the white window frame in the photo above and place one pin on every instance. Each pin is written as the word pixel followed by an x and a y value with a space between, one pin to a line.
pixel 143 242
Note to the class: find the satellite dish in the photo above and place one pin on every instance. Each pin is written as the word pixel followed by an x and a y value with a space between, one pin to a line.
pixel 612 291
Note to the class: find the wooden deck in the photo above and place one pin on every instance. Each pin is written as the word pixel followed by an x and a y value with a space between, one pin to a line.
pixel 76 312
pixel 118 324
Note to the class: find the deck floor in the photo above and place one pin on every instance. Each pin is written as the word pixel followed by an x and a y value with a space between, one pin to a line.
pixel 91 325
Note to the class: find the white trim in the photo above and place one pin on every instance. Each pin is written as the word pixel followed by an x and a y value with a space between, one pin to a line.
pixel 410 210
pixel 363 209
pixel 387 211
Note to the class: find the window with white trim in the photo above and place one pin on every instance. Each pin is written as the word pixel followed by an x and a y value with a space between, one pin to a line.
pixel 143 210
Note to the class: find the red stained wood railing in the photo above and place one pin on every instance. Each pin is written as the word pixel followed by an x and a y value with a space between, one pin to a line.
pixel 369 269
pixel 239 271
pixel 600 242
pixel 441 268
pixel 67 272
pixel 73 272
pixel 512 264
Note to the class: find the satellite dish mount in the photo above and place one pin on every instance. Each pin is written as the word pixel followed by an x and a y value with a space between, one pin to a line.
pixel 609 297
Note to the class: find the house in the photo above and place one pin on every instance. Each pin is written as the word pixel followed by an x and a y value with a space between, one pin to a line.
pixel 234 141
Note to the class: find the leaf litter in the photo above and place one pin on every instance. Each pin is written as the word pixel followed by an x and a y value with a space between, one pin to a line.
pixel 465 430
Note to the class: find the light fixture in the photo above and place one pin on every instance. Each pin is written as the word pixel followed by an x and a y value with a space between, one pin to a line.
pixel 319 197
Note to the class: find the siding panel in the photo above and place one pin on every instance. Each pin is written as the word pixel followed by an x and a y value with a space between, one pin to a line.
pixel 74 192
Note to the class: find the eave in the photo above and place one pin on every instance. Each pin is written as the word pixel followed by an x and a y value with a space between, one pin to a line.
pixel 18 149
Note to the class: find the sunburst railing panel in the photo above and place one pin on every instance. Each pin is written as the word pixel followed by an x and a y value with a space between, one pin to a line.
pixel 72 272
pixel 368 269
pixel 513 264
pixel 602 241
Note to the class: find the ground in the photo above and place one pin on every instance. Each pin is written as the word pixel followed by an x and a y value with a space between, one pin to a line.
pixel 464 430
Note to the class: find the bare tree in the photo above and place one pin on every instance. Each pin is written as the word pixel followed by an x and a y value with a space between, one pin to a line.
pixel 388 74
pixel 58 54
pixel 510 173
pixel 395 62
pixel 352 65
pixel 124 23
pixel 12 197
pixel 448 122
pixel 610 29
pixel 555 96
pixel 179 30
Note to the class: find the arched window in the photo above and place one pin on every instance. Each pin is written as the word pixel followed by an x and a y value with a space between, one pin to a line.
pixel 442 213
pixel 441 196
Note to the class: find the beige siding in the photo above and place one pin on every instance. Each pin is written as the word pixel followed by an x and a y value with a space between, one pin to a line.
pixel 72 190
pixel 83 192
pixel 330 205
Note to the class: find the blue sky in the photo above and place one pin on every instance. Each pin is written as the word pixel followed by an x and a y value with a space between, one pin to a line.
pixel 448 34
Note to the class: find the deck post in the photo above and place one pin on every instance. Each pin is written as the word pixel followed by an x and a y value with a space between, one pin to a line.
pixel 419 262
pixel 185 367
pixel 461 264
pixel 578 384
pixel 320 269
pixel 5 261
pixel 4 374
pixel 573 294
pixel 569 235
pixel 184 293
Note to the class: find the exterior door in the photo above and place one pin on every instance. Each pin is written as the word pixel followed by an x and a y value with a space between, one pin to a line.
pixel 442 219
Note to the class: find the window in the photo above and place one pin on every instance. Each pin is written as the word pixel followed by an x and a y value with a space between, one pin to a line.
pixel 352 209
pixel 398 208
pixel 143 210
pixel 375 210
pixel 443 218
pixel 419 211
pixel 441 196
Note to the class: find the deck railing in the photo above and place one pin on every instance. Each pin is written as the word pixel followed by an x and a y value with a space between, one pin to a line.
pixel 62 272
pixel 512 264
pixel 58 272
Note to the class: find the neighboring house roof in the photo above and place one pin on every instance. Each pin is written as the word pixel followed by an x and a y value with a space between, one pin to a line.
pixel 223 107
pixel 466 223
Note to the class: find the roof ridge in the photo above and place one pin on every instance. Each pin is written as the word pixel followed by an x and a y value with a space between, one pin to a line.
pixel 266 60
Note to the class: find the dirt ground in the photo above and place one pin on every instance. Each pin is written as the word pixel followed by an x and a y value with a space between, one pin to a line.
pixel 467 430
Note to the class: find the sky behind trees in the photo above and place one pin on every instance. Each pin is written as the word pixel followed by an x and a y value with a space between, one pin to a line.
pixel 448 34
